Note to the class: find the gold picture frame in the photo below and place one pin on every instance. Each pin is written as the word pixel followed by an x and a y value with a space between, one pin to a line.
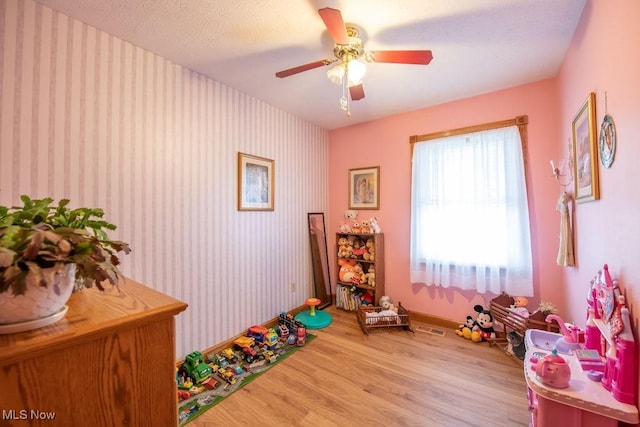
pixel 255 183
pixel 585 152
pixel 364 188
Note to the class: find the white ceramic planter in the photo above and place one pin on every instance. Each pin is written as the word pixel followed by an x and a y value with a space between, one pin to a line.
pixel 39 302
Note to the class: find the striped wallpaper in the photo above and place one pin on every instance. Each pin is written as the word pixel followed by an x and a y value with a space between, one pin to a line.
pixel 89 117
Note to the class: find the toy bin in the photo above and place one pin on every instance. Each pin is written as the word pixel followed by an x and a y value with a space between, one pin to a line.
pixel 373 319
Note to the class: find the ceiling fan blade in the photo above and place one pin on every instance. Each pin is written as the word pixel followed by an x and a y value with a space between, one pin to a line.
pixel 335 25
pixel 356 92
pixel 421 57
pixel 305 67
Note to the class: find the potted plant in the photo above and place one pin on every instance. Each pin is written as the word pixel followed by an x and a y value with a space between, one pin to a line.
pixel 45 249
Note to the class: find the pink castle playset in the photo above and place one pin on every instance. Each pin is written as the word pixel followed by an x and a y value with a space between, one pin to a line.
pixel 589 377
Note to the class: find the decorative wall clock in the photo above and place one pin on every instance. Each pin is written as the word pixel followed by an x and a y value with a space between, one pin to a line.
pixel 607 142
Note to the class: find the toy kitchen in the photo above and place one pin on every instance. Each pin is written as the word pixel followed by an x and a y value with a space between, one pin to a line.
pixel 585 378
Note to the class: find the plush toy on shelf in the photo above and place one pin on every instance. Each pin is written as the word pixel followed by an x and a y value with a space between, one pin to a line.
pixel 373 223
pixel 371 276
pixel 347 270
pixel 343 248
pixel 350 216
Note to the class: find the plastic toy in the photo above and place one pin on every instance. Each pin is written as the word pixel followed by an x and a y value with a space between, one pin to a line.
pixel 195 368
pixel 302 337
pixel 312 318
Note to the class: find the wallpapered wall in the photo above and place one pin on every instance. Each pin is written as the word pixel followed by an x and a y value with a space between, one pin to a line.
pixel 89 117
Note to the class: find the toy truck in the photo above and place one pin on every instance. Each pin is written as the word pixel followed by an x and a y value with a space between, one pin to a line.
pixel 244 342
pixel 195 368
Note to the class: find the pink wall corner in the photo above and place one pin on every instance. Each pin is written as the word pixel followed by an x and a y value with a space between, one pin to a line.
pixel 385 143
pixel 604 58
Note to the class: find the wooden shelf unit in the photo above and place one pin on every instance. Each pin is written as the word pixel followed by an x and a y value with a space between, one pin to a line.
pixel 378 263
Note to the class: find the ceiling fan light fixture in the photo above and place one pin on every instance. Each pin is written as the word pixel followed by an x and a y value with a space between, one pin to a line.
pixel 356 71
pixel 335 74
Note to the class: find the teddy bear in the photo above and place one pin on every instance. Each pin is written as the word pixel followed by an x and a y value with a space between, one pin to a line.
pixel 369 255
pixel 347 270
pixel 386 304
pixel 365 227
pixel 343 247
pixel 371 276
pixel 350 216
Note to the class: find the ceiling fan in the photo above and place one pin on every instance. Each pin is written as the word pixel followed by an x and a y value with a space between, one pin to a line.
pixel 347 50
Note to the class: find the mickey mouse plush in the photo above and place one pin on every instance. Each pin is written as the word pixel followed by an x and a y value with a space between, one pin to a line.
pixel 483 330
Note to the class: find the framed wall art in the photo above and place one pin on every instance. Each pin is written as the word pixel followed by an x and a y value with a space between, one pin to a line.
pixel 607 141
pixel 255 183
pixel 364 188
pixel 585 161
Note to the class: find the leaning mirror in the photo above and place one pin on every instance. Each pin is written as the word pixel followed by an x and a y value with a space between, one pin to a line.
pixel 319 258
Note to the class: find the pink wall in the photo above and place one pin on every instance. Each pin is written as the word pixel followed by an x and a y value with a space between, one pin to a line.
pixel 603 58
pixel 386 143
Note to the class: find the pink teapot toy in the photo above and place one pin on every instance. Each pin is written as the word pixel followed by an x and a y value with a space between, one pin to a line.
pixel 553 370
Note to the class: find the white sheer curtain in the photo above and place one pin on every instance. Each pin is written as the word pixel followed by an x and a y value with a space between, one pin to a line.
pixel 469 213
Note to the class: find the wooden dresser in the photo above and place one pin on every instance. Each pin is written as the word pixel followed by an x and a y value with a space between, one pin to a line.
pixel 109 362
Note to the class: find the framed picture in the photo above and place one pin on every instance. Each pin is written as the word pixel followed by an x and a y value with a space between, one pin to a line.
pixel 255 183
pixel 364 188
pixel 607 141
pixel 585 161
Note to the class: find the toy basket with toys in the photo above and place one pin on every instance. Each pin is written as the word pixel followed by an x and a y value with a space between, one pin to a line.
pixel 372 319
pixel 511 320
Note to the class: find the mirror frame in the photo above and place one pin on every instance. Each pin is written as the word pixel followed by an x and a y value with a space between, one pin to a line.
pixel 319 259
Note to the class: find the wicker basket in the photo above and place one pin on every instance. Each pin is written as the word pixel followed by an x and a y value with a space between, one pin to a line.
pixel 369 319
pixel 511 320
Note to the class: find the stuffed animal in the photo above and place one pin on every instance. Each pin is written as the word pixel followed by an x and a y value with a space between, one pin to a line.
pixel 516 346
pixel 369 255
pixel 366 298
pixel 466 328
pixel 347 270
pixel 343 248
pixel 365 227
pixel 483 330
pixel 350 216
pixel 386 304
pixel 371 276
pixel 373 223
pixel 358 272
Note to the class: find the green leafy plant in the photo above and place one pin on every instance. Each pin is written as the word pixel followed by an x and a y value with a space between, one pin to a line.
pixel 40 235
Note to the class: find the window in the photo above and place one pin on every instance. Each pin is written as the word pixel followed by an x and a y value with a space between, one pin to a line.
pixel 469 213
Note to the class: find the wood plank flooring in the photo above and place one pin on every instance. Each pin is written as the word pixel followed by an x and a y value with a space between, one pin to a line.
pixel 345 378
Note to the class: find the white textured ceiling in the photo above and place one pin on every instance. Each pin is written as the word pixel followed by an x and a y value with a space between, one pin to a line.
pixel 478 46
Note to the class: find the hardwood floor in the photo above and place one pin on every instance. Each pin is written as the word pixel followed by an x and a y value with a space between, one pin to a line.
pixel 346 378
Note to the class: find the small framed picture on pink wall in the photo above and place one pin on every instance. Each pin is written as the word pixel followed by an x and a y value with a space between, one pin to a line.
pixel 364 188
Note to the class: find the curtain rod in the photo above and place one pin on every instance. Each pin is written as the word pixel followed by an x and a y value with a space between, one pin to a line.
pixel 518 121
